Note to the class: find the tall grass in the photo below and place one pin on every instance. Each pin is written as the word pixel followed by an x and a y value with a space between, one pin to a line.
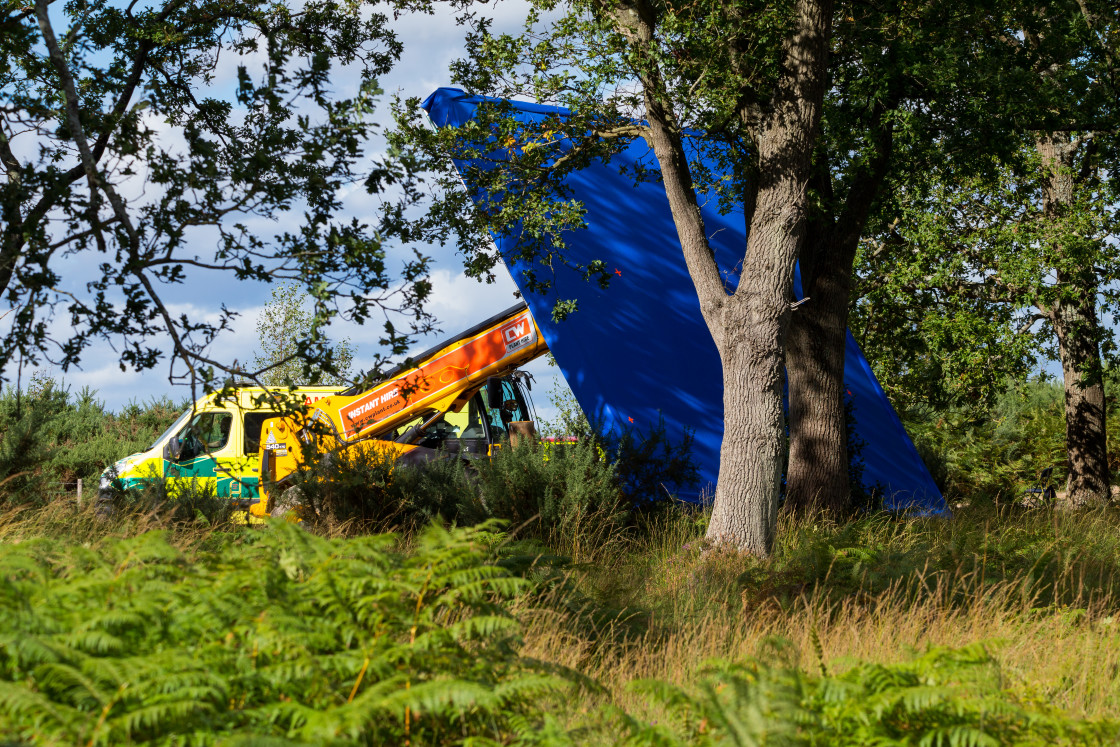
pixel 584 623
pixel 1036 590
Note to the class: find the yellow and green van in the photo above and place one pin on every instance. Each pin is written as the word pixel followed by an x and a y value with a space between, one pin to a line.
pixel 212 446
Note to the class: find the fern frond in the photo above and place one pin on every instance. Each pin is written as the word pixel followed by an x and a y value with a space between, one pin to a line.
pixel 156 719
pixel 957 736
pixel 20 705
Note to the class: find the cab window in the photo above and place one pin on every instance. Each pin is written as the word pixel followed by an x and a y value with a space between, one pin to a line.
pixel 474 434
pixel 442 434
pixel 253 423
pixel 458 432
pixel 208 432
pixel 512 409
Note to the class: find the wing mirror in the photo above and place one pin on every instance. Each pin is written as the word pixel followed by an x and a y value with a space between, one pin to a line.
pixel 494 393
pixel 173 450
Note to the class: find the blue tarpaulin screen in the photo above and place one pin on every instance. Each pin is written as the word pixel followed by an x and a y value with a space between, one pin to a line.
pixel 640 350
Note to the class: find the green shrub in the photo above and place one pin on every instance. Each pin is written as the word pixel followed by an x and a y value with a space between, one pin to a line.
pixel 995 454
pixel 368 488
pixel 561 485
pixel 91 437
pixel 649 466
pixel 26 447
pixel 555 487
pixel 53 438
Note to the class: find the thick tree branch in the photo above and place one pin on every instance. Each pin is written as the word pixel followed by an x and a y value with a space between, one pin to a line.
pixel 868 180
pixel 47 201
pixel 77 132
pixel 12 235
pixel 785 137
pixel 12 165
pixel 1030 322
pixel 636 21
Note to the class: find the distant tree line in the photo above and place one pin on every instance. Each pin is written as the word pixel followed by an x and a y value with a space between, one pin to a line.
pixel 50 437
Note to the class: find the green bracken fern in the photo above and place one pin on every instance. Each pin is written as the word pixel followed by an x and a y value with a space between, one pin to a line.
pixel 284 635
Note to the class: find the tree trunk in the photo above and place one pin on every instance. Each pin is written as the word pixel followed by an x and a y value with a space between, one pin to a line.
pixel 817 476
pixel 746 506
pixel 749 325
pixel 750 333
pixel 1074 317
pixel 1075 323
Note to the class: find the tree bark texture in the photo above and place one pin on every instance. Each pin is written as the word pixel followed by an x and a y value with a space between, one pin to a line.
pixel 1074 318
pixel 817 475
pixel 1086 441
pixel 744 513
pixel 817 478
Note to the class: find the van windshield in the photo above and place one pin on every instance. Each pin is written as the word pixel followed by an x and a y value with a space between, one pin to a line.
pixel 173 428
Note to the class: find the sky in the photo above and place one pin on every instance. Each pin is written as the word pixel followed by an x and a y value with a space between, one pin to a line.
pixel 431 43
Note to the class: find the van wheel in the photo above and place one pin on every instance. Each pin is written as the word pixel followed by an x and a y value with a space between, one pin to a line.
pixel 103 505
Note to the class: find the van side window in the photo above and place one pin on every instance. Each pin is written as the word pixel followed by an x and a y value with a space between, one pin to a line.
pixel 253 423
pixel 207 433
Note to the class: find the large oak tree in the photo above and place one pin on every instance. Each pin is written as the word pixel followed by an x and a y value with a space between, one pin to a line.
pixel 744 78
pixel 998 257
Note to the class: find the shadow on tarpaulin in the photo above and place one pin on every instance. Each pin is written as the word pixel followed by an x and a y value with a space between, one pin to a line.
pixel 639 350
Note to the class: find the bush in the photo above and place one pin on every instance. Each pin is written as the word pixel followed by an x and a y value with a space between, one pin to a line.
pixel 562 484
pixel 557 487
pixel 994 454
pixel 651 467
pixel 51 438
pixel 367 488
pixel 26 447
pixel 554 487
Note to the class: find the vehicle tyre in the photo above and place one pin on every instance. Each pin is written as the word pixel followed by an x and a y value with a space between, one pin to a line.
pixel 103 504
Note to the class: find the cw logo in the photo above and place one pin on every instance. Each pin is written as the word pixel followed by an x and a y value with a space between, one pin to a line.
pixel 516 331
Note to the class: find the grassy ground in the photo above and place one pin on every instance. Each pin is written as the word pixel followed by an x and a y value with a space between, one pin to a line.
pixel 1036 590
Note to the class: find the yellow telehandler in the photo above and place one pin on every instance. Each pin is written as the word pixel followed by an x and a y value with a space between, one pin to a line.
pixel 461 398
